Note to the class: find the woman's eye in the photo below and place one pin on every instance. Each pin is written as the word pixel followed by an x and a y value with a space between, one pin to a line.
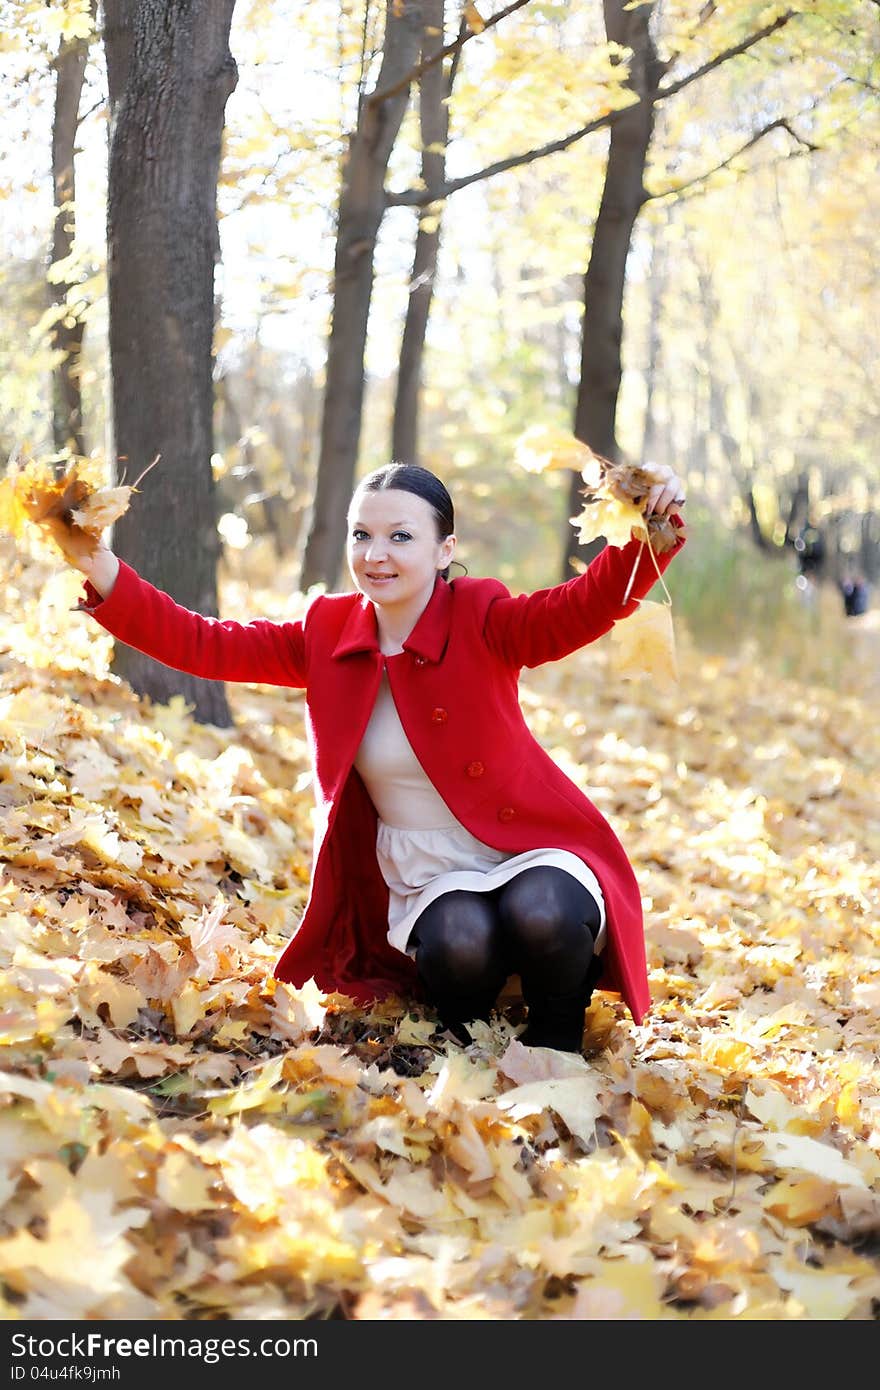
pixel 359 535
pixel 401 536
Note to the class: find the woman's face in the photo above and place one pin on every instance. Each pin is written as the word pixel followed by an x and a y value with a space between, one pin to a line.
pixel 393 551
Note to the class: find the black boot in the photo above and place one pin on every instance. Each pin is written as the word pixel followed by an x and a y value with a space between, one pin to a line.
pixel 459 1010
pixel 557 1020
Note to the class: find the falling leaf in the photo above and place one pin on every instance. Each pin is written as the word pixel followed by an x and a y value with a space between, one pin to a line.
pixel 542 448
pixel 644 645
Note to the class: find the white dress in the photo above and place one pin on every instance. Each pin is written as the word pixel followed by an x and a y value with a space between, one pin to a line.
pixel 422 849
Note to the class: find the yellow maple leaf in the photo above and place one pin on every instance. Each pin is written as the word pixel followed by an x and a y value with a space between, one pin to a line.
pixel 615 496
pixel 644 644
pixel 824 1295
pixel 475 20
pixel 102 508
pixel 575 1100
pixel 542 448
pixel 801 1203
pixel 609 517
pixel 185 1183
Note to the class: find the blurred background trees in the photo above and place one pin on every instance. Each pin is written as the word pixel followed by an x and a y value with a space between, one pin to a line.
pixel 440 224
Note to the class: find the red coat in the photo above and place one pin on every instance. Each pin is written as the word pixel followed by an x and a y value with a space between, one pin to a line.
pixel 455 688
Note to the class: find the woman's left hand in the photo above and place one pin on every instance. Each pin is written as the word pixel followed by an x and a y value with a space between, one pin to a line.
pixel 667 494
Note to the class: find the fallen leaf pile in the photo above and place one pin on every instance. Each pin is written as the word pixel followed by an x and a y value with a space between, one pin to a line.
pixel 221 1146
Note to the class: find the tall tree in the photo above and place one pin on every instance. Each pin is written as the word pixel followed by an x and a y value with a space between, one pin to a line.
pixel 171 73
pixel 435 90
pixel 68 326
pixel 361 208
pixel 362 205
pixel 623 196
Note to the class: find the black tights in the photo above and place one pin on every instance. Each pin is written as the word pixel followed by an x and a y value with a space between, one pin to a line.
pixel 540 925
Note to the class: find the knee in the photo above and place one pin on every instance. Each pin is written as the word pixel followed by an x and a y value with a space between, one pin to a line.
pixel 544 910
pixel 456 941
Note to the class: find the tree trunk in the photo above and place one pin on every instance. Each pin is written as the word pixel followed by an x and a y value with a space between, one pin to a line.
pixel 162 243
pixel 361 207
pixel 67 332
pixel 118 33
pixel 622 196
pixel 434 92
pixel 656 293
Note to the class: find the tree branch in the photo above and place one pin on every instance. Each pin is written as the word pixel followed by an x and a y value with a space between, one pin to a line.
pixel 464 35
pixel 102 101
pixel 742 47
pixel 782 124
pixel 417 197
pixel 414 197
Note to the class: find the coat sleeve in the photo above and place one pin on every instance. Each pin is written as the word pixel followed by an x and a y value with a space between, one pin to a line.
pixel 144 617
pixel 529 629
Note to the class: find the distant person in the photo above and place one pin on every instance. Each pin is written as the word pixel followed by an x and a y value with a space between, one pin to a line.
pixel 854 589
pixel 809 548
pixel 452 851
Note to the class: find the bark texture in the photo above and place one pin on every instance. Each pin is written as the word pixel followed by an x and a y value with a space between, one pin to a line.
pixel 67 332
pixel 434 91
pixel 623 194
pixel 171 73
pixel 361 208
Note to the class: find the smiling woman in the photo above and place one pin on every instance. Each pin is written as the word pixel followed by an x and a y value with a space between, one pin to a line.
pixel 398 542
pixel 451 851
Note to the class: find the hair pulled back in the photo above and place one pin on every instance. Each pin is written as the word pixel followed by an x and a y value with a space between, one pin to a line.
pixel 411 477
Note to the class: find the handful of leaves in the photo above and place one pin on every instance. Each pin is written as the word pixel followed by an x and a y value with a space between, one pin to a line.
pixel 70 507
pixel 614 502
pixel 615 496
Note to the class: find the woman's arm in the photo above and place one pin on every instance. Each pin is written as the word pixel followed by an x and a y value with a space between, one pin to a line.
pixel 530 629
pixel 142 616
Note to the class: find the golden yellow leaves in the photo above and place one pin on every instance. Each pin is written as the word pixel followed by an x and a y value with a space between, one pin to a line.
pixel 614 501
pixel 34 492
pixel 721 1161
pixel 71 508
pixel 543 448
pixel 645 642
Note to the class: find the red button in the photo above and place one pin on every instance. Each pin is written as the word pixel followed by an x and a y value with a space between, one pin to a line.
pixel 439 716
pixel 475 769
pixel 420 660
pixel 506 813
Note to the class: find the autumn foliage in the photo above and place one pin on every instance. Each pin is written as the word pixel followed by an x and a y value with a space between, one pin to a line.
pixel 225 1146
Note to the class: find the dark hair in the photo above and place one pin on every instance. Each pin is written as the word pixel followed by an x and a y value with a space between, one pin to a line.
pixel 411 477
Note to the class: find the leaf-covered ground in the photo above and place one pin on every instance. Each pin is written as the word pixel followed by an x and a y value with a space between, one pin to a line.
pixel 181 1137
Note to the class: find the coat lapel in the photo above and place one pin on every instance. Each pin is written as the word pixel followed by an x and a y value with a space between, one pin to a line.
pixel 428 638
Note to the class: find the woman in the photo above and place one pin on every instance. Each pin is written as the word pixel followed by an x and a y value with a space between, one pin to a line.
pixel 450 851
